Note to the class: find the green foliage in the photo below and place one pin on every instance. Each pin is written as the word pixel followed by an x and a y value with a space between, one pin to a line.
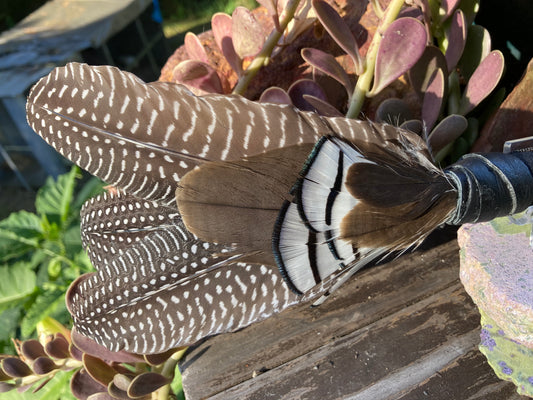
pixel 40 255
pixel 56 389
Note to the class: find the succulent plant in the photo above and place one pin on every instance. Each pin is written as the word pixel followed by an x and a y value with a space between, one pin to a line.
pixel 97 372
pixel 447 59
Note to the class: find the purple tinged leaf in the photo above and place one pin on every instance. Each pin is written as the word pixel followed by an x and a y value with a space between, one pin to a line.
pixel 403 43
pixel 43 365
pixel 3 375
pixel 327 64
pixel 99 370
pixel 394 112
pixel 195 49
pixel 101 396
pixel 82 385
pixel 477 47
pixel 248 35
pixel 413 125
pixel 446 132
pixel 322 107
pixel 32 349
pixel 6 387
pixel 117 393
pixel 75 352
pixel 433 99
pixel 58 348
pixel 456 39
pixel 447 8
pixel 122 381
pixel 160 358
pixel 90 347
pixel 275 95
pixel 339 31
pixel 411 12
pixel 422 72
pixel 483 81
pixel 15 368
pixel 199 77
pixel 305 86
pixel 221 25
pixel 270 5
pixel 146 383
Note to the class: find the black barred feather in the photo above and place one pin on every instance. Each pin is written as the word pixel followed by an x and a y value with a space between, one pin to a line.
pixel 228 211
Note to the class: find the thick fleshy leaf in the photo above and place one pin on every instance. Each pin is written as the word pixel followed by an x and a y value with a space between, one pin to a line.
pixel 32 349
pixel 6 387
pixel 221 25
pixel 470 9
pixel 122 381
pixel 117 393
pixel 412 12
pixel 339 31
pixel 447 131
pixel 270 5
pixel 447 7
pixel 101 396
pixel 305 86
pixel 413 125
pixel 322 107
pixel 394 112
pixel 421 73
pixel 89 346
pixel 456 36
pixel 146 383
pixel 433 99
pixel 82 385
pixel 43 365
pixel 58 348
pixel 483 81
pixel 477 47
pixel 403 43
pixel 248 34
pixel 195 49
pixel 99 370
pixel 198 76
pixel 275 95
pixel 327 64
pixel 160 358
pixel 15 367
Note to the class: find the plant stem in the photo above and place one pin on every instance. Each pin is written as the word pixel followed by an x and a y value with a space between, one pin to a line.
pixel 362 88
pixel 264 55
pixel 168 370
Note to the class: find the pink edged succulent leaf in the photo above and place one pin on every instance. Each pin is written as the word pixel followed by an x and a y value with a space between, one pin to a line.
pixel 433 99
pixel 195 49
pixel 339 31
pixel 483 81
pixel 456 35
pixel 403 43
pixel 99 370
pixel 447 8
pixel 15 368
pixel 221 24
pixel 447 131
pixel 322 107
pixel 199 77
pixel 477 47
pixel 305 86
pixel 43 365
pixel 248 35
pixel 421 73
pixel 146 383
pixel 275 95
pixel 328 64
pixel 82 385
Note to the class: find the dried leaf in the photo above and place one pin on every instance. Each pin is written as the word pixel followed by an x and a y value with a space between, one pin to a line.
pixel 456 36
pixel 447 131
pixel 483 81
pixel 221 24
pixel 194 48
pixel 275 95
pixel 248 34
pixel 147 383
pixel 403 43
pixel 199 77
pixel 339 31
pixel 305 86
pixel 327 64
pixel 15 367
pixel 433 99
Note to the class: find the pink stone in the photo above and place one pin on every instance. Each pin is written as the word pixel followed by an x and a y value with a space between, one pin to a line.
pixel 497 272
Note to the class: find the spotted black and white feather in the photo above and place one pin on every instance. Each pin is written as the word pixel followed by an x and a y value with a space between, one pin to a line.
pixel 228 211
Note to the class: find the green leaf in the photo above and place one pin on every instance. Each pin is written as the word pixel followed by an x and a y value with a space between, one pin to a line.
pixel 93 187
pixel 55 197
pixel 17 282
pixel 57 389
pixel 10 320
pixel 19 233
pixel 44 305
